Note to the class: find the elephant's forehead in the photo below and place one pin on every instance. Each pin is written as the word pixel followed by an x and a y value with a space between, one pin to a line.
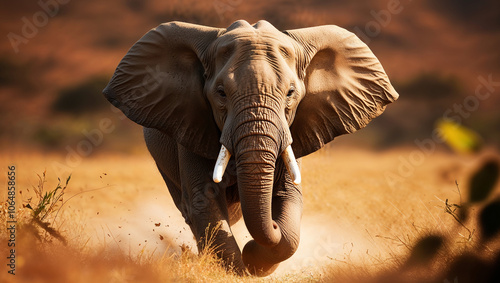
pixel 260 25
pixel 251 37
pixel 243 33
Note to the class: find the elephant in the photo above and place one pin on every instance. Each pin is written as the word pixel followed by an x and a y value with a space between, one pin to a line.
pixel 227 113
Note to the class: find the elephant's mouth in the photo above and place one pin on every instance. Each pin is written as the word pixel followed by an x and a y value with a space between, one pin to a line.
pixel 287 155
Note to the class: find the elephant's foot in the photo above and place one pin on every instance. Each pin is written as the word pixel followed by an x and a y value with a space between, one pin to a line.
pixel 238 268
pixel 219 241
pixel 233 265
pixel 255 262
pixel 232 261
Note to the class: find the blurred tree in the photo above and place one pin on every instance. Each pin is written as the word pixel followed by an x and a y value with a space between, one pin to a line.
pixel 482 15
pixel 48 137
pixel 430 86
pixel 15 74
pixel 83 98
pixel 425 250
pixel 483 182
pixel 489 220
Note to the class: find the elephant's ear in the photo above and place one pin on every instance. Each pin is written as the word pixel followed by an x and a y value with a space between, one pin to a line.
pixel 346 86
pixel 159 84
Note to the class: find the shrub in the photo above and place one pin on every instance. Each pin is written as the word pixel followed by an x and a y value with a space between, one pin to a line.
pixel 83 98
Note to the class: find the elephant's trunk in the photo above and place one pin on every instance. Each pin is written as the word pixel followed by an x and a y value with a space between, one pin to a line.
pixel 288 157
pixel 255 171
pixel 257 145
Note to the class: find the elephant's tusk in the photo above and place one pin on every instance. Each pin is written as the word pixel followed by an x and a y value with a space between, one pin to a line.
pixel 220 165
pixel 291 165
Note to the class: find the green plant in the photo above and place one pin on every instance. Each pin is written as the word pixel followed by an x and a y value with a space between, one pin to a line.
pixel 458 137
pixel 44 213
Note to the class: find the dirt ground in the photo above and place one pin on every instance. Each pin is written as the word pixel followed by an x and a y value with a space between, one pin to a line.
pixel 362 208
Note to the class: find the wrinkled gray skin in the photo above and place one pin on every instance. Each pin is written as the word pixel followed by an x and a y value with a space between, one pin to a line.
pixel 255 90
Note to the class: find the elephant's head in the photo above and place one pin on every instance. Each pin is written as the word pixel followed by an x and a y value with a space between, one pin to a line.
pixel 252 92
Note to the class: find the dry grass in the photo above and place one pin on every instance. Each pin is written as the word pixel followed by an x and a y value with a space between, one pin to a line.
pixel 122 226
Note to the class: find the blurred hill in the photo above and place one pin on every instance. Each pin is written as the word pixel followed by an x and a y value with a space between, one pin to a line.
pixel 56 57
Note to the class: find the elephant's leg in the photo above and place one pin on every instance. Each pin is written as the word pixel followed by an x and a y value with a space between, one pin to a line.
pixel 232 194
pixel 233 204
pixel 164 151
pixel 205 208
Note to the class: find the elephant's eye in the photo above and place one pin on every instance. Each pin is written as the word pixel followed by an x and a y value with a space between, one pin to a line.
pixel 220 91
pixel 291 92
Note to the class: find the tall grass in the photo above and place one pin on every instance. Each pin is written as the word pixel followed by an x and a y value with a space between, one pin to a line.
pixel 46 208
pixel 415 244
